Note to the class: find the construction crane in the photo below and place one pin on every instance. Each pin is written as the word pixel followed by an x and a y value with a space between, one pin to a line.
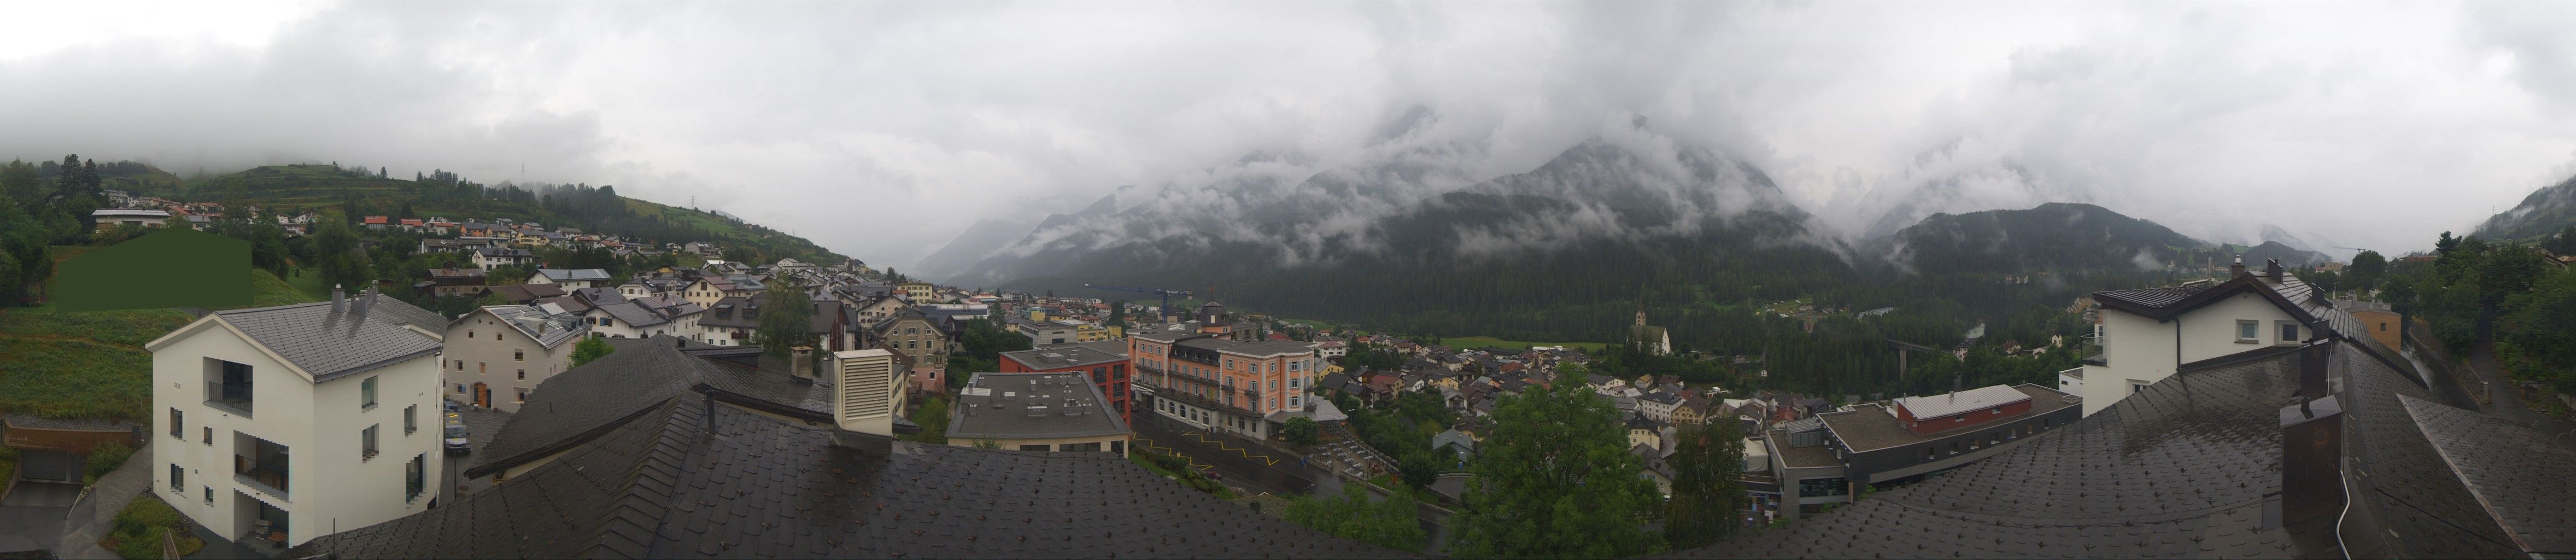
pixel 1167 294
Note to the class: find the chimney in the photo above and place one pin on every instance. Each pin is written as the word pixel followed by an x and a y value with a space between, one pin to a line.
pixel 2311 444
pixel 367 299
pixel 2272 269
pixel 339 300
pixel 866 393
pixel 2238 269
pixel 804 358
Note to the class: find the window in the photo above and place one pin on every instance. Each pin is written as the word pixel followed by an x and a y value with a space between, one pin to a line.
pixel 411 419
pixel 523 395
pixel 518 355
pixel 523 375
pixel 367 443
pixel 468 334
pixel 460 365
pixel 367 393
pixel 415 476
pixel 1998 410
pixel 210 435
pixel 2248 331
pixel 1294 404
pixel 210 494
pixel 460 387
pixel 178 478
pixel 2289 332
pixel 176 429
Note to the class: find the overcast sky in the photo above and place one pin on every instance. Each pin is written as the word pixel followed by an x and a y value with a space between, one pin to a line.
pixel 882 129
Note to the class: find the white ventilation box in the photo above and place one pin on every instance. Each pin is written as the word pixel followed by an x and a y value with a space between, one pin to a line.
pixel 867 391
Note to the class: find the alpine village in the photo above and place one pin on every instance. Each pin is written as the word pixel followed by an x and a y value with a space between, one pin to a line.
pixel 439 368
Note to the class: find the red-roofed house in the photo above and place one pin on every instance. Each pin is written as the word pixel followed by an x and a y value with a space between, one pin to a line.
pixel 376 222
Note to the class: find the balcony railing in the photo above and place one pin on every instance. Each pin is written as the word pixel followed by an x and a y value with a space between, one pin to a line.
pixel 230 397
pixel 1204 401
pixel 2091 350
pixel 260 477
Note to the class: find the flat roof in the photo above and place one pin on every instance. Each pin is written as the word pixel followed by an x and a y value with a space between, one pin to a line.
pixel 1870 427
pixel 1031 406
pixel 1809 457
pixel 1952 403
pixel 1062 357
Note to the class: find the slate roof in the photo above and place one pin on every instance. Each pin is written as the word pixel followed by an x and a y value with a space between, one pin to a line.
pixel 672 483
pixel 2183 468
pixel 632 314
pixel 330 344
pixel 2509 468
pixel 524 293
pixel 548 329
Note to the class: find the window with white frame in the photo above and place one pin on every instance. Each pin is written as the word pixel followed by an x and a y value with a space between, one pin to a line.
pixel 2249 331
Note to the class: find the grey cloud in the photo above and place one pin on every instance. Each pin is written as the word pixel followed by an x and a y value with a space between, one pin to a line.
pixel 883 129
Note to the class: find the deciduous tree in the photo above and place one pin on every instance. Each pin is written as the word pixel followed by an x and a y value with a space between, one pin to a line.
pixel 1708 492
pixel 1391 523
pixel 1555 480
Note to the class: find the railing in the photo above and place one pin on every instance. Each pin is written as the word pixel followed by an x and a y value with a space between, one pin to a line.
pixel 231 397
pixel 262 478
pixel 2092 351
pixel 1203 401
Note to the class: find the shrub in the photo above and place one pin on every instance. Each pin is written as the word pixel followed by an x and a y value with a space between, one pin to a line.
pixel 102 459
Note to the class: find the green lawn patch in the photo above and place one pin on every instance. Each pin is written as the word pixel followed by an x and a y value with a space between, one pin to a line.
pixel 308 280
pixel 267 290
pixel 1484 341
pixel 125 327
pixel 139 528
pixel 74 378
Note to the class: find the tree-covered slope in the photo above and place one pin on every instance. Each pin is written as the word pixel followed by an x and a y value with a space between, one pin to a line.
pixel 362 192
pixel 2546 211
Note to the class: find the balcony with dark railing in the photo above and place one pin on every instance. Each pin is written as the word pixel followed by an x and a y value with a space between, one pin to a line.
pixel 2091 350
pixel 260 466
pixel 229 397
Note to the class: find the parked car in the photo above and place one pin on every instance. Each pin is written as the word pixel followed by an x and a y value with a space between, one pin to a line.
pixel 456 440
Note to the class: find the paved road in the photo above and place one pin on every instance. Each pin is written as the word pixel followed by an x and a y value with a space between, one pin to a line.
pixel 2508 405
pixel 480 426
pixel 1249 469
pixel 32 517
pixel 95 515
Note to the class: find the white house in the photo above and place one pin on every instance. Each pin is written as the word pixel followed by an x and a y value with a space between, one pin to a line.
pixel 636 319
pixel 488 258
pixel 571 278
pixel 496 355
pixel 299 420
pixel 2145 335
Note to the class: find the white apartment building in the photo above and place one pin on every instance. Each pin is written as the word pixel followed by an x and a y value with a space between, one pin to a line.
pixel 572 278
pixel 2143 336
pixel 299 420
pixel 498 354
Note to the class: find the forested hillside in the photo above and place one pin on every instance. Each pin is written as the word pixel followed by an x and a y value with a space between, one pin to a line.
pixel 361 192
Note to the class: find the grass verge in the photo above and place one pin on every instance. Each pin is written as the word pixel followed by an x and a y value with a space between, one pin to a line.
pixel 139 527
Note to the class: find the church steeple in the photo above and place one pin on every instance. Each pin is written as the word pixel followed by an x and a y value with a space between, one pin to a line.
pixel 1641 317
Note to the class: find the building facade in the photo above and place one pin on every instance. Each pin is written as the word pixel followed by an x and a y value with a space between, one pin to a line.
pixel 496 355
pixel 1105 363
pixel 276 432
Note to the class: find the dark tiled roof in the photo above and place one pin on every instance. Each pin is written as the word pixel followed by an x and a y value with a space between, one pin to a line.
pixel 2151 297
pixel 664 485
pixel 633 314
pixel 587 398
pixel 2182 468
pixel 2508 468
pixel 523 293
pixel 329 344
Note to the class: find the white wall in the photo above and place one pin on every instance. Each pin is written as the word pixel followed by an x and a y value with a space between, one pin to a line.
pixel 328 484
pixel 2141 350
pixel 490 361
